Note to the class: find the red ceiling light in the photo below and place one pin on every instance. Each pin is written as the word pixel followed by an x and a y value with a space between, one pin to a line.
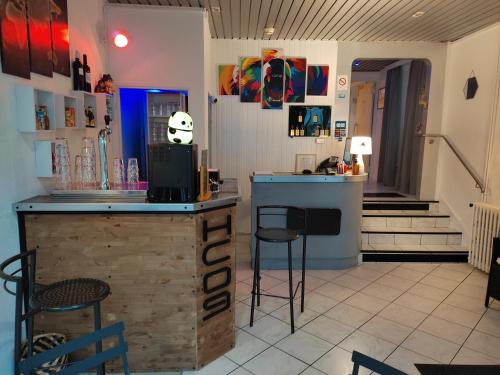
pixel 120 40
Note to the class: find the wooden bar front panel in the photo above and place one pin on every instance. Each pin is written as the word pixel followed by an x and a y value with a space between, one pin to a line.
pixel 153 265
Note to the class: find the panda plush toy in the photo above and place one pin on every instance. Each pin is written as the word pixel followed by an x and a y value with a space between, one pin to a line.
pixel 180 128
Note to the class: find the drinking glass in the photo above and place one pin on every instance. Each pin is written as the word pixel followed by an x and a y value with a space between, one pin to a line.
pixel 78 172
pixel 118 173
pixel 89 175
pixel 63 170
pixel 133 171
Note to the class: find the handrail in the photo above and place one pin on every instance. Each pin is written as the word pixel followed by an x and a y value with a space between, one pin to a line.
pixel 479 183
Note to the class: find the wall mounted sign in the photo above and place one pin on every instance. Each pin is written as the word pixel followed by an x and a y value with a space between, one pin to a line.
pixel 60 37
pixel 295 79
pixel 342 82
pixel 317 80
pixel 340 129
pixel 309 121
pixel 273 69
pixel 40 37
pixel 14 38
pixel 471 86
pixel 250 79
pixel 228 80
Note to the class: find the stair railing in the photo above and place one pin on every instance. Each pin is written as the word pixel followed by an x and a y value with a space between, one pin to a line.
pixel 479 182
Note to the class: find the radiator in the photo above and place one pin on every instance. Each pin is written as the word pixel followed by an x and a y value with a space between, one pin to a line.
pixel 485 226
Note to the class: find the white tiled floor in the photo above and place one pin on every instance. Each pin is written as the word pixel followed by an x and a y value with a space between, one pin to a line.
pixel 399 313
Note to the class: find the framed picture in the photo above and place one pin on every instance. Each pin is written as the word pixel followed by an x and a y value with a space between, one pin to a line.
pixel 305 161
pixel 309 120
pixel 60 37
pixel 380 99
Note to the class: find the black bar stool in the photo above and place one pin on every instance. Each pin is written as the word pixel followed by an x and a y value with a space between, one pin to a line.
pixel 66 295
pixel 296 224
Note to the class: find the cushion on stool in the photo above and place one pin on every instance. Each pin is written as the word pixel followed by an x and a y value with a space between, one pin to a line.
pixel 276 234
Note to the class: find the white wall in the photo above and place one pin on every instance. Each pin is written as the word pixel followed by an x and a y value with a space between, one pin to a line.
pixel 167 48
pixel 249 138
pixel 17 162
pixel 436 54
pixel 471 124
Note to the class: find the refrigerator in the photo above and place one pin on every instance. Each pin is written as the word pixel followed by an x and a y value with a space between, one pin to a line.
pixel 160 107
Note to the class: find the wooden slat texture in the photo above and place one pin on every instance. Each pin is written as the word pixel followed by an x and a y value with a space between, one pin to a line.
pixel 254 18
pixel 152 264
pixel 344 20
pixel 215 336
pixel 280 19
pixel 272 16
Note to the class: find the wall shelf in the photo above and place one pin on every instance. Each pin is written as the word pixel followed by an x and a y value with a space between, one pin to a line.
pixel 27 98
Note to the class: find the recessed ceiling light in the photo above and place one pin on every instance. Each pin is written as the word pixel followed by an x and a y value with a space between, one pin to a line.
pixel 418 14
pixel 268 30
pixel 215 9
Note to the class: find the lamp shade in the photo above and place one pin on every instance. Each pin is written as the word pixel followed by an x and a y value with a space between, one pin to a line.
pixel 361 145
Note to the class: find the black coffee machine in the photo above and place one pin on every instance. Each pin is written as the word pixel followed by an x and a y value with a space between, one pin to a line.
pixel 172 173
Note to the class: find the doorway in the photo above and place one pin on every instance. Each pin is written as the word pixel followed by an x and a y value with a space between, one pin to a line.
pixel 388 103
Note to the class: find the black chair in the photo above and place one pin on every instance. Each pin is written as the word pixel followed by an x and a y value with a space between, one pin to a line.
pixel 67 295
pixel 372 364
pixel 296 224
pixel 493 289
pixel 38 361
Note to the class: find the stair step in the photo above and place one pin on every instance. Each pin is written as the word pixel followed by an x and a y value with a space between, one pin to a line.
pixel 401 213
pixel 400 205
pixel 406 221
pixel 433 256
pixel 410 236
pixel 412 248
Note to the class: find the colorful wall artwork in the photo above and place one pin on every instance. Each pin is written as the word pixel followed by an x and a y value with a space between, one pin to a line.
pixel 273 66
pixel 309 121
pixel 39 37
pixel 14 38
pixel 295 79
pixel 60 37
pixel 317 80
pixel 229 80
pixel 250 79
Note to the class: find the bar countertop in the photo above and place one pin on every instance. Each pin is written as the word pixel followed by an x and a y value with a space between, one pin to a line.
pixel 306 178
pixel 47 203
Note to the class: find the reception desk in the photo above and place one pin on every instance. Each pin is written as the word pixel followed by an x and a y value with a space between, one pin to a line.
pixel 170 268
pixel 342 192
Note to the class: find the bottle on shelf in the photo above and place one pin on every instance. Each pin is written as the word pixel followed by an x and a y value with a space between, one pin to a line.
pixel 315 125
pixel 86 75
pixel 292 130
pixel 78 75
pixel 90 118
pixel 301 126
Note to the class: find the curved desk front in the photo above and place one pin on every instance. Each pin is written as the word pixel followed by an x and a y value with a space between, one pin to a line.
pixel 342 192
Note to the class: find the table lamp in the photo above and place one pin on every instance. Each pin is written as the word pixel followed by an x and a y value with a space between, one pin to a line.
pixel 361 146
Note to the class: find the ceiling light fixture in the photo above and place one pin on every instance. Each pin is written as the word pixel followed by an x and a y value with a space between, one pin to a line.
pixel 418 14
pixel 268 31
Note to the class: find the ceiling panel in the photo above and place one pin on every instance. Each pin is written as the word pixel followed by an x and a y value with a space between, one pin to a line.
pixel 345 20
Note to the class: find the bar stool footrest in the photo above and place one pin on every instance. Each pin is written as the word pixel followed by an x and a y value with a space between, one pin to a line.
pixel 282 297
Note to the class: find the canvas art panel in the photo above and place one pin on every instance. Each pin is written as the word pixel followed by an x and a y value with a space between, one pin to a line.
pixel 250 79
pixel 60 37
pixel 314 119
pixel 273 66
pixel 228 79
pixel 295 79
pixel 14 38
pixel 40 39
pixel 317 80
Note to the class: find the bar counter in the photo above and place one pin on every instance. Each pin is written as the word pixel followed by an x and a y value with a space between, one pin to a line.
pixel 171 269
pixel 315 192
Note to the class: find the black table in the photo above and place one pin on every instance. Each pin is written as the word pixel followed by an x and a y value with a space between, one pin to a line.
pixel 431 369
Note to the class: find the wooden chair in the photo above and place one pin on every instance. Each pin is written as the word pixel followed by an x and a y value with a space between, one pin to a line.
pixel 31 364
pixel 372 364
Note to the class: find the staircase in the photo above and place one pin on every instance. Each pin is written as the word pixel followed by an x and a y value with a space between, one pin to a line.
pixel 409 230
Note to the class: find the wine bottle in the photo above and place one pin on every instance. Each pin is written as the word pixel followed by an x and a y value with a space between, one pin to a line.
pixel 78 78
pixel 301 126
pixel 86 75
pixel 292 131
pixel 315 125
